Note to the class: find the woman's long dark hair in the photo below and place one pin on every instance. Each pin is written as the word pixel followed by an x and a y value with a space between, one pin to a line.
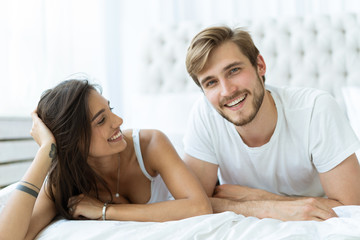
pixel 65 111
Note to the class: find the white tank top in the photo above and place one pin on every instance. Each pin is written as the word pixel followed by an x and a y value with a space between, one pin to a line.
pixel 159 191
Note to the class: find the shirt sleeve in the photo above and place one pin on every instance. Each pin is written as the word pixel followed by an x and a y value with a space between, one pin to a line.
pixel 198 139
pixel 332 139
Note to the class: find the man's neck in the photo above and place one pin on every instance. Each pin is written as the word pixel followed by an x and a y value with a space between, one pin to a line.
pixel 259 131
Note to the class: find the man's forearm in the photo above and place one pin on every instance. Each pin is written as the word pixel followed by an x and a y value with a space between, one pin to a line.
pixel 249 208
pixel 244 194
pixel 328 202
pixel 294 210
pixel 271 196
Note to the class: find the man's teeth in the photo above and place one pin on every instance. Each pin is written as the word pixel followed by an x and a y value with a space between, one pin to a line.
pixel 236 101
pixel 115 136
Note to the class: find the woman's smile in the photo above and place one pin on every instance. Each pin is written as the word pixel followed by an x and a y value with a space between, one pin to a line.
pixel 116 137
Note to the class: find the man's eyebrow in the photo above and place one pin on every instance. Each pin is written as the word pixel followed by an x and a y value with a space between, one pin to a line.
pixel 97 114
pixel 205 80
pixel 227 67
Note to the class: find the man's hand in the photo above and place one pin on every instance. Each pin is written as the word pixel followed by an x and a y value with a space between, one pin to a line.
pixel 300 210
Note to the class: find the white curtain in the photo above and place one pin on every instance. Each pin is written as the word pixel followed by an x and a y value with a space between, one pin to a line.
pixel 44 41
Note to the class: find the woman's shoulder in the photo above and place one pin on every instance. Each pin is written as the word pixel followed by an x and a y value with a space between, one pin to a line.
pixel 153 144
pixel 151 137
pixel 147 137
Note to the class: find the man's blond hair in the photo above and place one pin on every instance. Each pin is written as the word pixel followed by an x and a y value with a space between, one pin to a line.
pixel 209 39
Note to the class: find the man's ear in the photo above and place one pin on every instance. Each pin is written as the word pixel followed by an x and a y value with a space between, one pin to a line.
pixel 261 66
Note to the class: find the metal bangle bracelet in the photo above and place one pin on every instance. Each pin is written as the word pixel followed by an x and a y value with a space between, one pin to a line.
pixel 104 211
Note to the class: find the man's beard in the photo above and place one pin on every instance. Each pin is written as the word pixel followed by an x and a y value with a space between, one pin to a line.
pixel 259 93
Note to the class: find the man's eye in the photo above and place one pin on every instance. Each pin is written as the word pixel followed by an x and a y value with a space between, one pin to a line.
pixel 234 70
pixel 210 83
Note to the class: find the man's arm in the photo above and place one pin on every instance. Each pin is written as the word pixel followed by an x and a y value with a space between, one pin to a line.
pixel 205 171
pixel 262 204
pixel 340 185
pixel 243 194
pixel 342 182
pixel 267 205
pixel 296 210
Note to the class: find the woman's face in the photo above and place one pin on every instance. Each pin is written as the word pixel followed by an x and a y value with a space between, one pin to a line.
pixel 106 137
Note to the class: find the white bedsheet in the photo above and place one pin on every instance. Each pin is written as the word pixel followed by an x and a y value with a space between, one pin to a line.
pixel 227 225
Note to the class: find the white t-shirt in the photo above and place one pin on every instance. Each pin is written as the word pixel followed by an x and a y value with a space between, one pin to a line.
pixel 312 135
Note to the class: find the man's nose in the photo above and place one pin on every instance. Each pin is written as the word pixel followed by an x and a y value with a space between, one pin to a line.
pixel 227 87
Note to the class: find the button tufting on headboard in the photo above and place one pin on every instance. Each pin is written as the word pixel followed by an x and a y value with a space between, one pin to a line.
pixel 318 51
pixel 308 51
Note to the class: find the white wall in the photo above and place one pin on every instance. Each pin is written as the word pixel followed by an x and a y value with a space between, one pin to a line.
pixel 138 16
pixel 44 41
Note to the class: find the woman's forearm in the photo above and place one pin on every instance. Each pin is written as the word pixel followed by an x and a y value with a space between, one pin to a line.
pixel 16 215
pixel 158 212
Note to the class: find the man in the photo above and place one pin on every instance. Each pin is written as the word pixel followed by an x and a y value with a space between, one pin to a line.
pixel 285 153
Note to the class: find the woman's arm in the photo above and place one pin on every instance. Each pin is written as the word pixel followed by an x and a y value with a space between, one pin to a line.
pixel 17 215
pixel 190 198
pixel 160 155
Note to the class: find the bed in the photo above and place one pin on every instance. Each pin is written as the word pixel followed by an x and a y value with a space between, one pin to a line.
pixel 321 52
pixel 226 225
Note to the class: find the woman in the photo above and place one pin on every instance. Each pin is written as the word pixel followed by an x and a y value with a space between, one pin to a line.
pixel 96 171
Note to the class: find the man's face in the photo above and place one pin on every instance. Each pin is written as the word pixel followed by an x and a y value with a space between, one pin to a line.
pixel 232 85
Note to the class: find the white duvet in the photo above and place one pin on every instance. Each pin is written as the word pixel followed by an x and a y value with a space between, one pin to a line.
pixel 227 225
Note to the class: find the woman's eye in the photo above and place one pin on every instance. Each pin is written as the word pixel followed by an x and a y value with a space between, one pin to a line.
pixel 101 121
pixel 111 108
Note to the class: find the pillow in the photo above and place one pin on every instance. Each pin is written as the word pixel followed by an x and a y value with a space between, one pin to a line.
pixel 352 99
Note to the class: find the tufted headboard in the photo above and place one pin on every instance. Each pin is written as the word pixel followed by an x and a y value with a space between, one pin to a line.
pixel 321 52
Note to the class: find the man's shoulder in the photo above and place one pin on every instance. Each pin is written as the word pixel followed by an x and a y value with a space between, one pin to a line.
pixel 295 91
pixel 292 96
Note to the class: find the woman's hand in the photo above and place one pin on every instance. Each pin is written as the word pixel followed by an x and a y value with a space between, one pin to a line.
pixel 40 132
pixel 85 207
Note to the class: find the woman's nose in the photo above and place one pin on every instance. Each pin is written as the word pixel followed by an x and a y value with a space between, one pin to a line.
pixel 117 121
